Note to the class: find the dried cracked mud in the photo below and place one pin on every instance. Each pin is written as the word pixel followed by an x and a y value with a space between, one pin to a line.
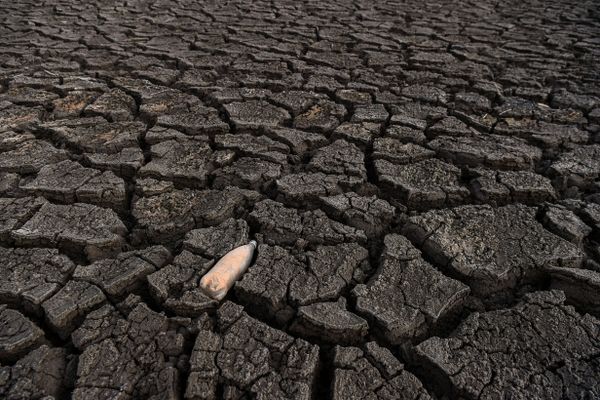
pixel 422 179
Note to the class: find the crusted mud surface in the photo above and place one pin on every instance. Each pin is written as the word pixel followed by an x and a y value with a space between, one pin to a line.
pixel 422 179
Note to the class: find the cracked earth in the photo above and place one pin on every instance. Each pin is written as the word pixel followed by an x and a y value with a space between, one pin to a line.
pixel 422 179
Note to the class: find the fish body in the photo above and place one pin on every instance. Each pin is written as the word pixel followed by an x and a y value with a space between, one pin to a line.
pixel 223 275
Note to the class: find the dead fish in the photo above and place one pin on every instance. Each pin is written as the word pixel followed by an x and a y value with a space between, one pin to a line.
pixel 221 277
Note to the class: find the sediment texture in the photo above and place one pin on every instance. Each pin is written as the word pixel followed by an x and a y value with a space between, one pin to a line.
pixel 422 179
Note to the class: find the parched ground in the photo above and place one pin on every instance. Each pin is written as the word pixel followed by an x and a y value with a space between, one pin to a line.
pixel 422 177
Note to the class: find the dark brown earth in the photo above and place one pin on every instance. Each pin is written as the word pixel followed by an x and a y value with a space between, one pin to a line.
pixel 422 178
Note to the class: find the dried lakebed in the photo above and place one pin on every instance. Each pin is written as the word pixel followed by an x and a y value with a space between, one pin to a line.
pixel 422 179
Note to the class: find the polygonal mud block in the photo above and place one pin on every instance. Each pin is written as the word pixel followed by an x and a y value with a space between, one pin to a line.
pixel 72 104
pixel 70 304
pixel 165 215
pixel 370 214
pixel 216 241
pixel 247 173
pixel 492 249
pixel 115 105
pixel 546 135
pixel 130 355
pixel 13 116
pixel 423 185
pixel 580 167
pixel 253 359
pixel 11 140
pixel 537 333
pixel 581 286
pixel 565 223
pixel 98 232
pixel 372 372
pixel 450 126
pixel 175 286
pixel 503 187
pixel 15 212
pixel 407 298
pixel 298 141
pixel 18 335
pixel 30 157
pixel 255 114
pixel 305 188
pixel 339 158
pixel 492 151
pixel 282 225
pixel 68 182
pixel 323 117
pixel 28 378
pixel 95 135
pixel 370 113
pixel 28 96
pixel 119 276
pixel 30 276
pixel 186 162
pixel 124 163
pixel 254 146
pixel 397 152
pixel 198 120
pixel 362 134
pixel 278 281
pixel 330 322
pixel 295 101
